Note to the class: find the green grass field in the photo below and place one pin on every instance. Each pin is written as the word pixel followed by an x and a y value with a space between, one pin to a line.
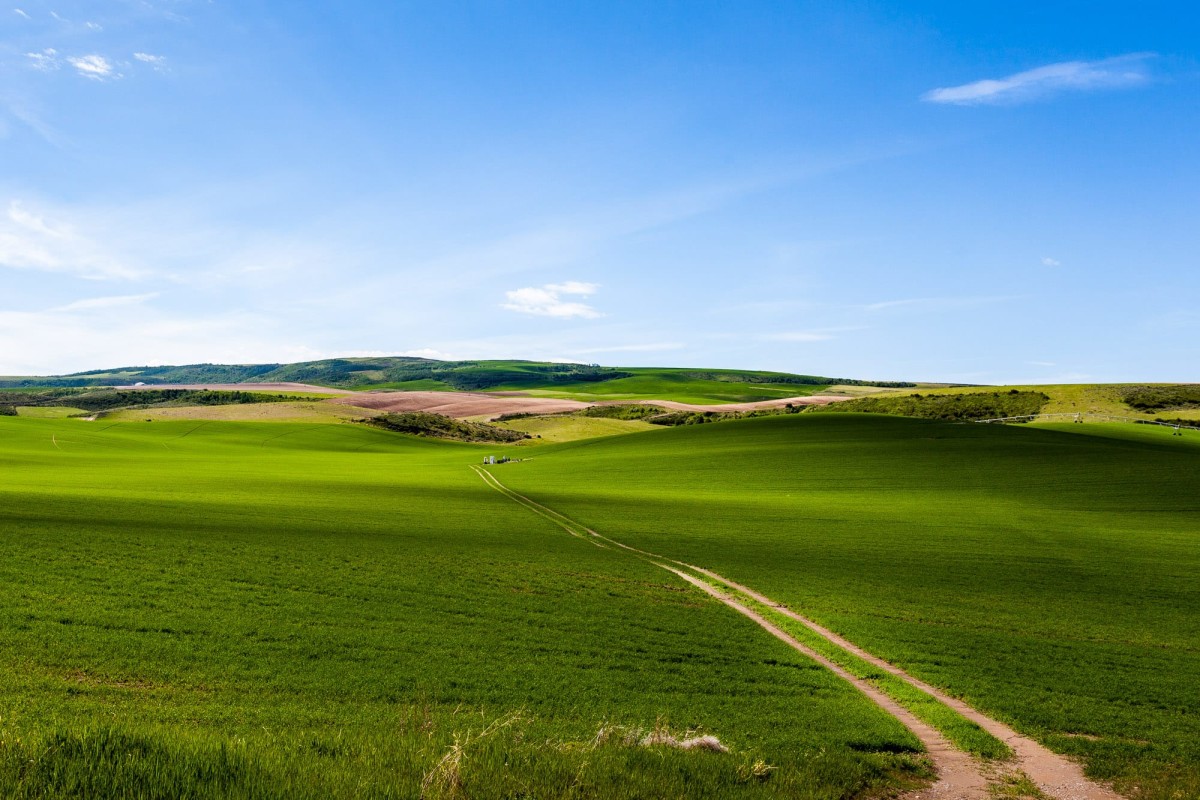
pixel 569 427
pixel 1090 398
pixel 684 386
pixel 214 609
pixel 1050 579
pixel 209 608
pixel 681 385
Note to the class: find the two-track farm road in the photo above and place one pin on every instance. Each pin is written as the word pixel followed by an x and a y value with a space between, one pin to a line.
pixel 960 776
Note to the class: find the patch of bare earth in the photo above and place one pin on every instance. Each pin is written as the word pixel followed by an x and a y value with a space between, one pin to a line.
pixel 758 405
pixel 461 405
pixel 301 411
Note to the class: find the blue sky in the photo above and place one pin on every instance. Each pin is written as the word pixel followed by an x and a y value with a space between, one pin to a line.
pixel 984 192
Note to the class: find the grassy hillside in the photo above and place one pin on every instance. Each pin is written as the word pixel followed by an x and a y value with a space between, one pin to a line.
pixel 946 406
pixel 684 386
pixel 571 427
pixel 108 399
pixel 214 609
pixel 239 610
pixel 574 380
pixel 1138 401
pixel 1050 579
pixel 420 423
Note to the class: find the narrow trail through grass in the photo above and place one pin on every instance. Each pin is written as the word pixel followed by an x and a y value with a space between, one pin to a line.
pixel 933 716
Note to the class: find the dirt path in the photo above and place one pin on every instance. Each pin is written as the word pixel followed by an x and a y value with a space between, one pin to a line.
pixel 1054 774
pixel 959 775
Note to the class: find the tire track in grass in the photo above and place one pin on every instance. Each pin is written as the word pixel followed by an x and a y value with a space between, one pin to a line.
pixel 959 776
pixel 1054 774
pixel 565 523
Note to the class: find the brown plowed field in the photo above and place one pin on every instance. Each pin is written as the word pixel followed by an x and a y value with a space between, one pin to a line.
pixel 459 404
pixel 472 404
pixel 810 400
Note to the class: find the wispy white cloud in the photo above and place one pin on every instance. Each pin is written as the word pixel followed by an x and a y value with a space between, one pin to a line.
pixel 46 61
pixel 30 240
pixel 647 347
pixel 115 301
pixel 60 341
pixel 427 352
pixel 797 336
pixel 937 303
pixel 35 123
pixel 21 13
pixel 1110 73
pixel 93 26
pixel 547 301
pixel 1047 261
pixel 93 66
pixel 149 58
pixel 560 241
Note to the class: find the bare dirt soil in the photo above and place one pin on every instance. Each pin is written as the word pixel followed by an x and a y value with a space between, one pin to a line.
pixel 808 400
pixel 459 404
pixel 491 405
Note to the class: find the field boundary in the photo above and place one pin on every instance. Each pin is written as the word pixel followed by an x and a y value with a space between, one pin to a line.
pixel 1054 775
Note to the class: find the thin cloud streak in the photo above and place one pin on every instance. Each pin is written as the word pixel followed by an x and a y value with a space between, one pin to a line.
pixel 937 303
pixel 649 347
pixel 115 301
pixel 29 240
pixel 1121 72
pixel 797 336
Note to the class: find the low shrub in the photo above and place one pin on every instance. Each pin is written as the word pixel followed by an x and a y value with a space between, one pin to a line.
pixel 423 423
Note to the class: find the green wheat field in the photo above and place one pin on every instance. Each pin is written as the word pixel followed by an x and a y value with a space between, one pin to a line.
pixel 229 609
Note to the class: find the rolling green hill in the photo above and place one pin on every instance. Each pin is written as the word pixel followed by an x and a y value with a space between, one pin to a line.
pixel 1049 579
pixel 427 374
pixel 240 610
pixel 1133 400
pixel 249 610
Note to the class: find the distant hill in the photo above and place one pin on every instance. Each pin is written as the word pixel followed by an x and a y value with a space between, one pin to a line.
pixel 403 372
